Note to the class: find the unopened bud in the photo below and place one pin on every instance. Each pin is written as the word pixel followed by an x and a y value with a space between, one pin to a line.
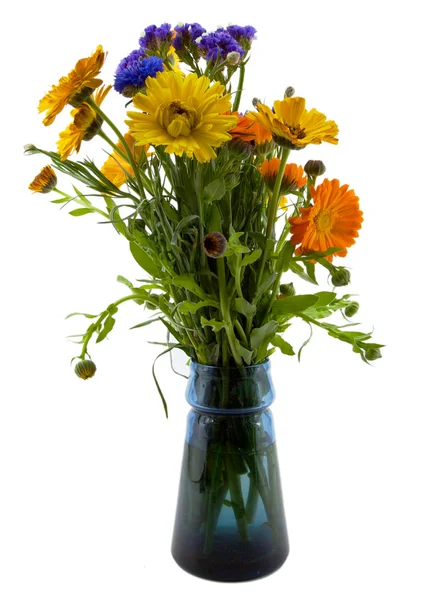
pixel 239 148
pixel 341 277
pixel 256 101
pixel 214 244
pixel 289 92
pixel 85 369
pixel 351 309
pixel 314 168
pixel 372 354
pixel 287 289
pixel 233 58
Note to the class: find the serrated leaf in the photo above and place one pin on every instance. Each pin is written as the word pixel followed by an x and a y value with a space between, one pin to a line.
pixel 244 307
pixel 283 345
pixel 251 258
pixel 215 325
pixel 214 190
pixel 79 212
pixel 293 304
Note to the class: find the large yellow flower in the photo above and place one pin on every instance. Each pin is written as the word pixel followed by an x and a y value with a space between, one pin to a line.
pixel 183 114
pixel 293 126
pixel 85 125
pixel 74 88
pixel 116 168
pixel 332 222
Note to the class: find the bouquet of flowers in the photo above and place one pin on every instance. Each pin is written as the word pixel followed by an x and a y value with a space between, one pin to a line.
pixel 214 204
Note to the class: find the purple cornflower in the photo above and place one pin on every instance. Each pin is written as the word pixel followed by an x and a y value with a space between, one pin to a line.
pixel 186 35
pixel 154 36
pixel 133 70
pixel 218 45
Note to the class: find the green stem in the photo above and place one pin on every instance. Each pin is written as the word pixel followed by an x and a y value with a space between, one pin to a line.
pixel 239 89
pixel 236 498
pixel 226 314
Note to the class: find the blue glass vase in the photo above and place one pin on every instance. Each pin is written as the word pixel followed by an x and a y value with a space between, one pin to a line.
pixel 230 523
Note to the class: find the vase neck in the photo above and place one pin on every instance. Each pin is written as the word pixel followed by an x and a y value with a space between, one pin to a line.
pixel 228 390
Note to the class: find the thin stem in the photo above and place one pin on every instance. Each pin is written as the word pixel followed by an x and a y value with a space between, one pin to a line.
pixel 226 315
pixel 239 89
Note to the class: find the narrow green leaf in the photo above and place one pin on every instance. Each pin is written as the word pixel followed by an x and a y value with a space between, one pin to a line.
pixel 261 337
pixel 125 281
pixel 144 260
pixel 108 325
pixel 74 314
pixel 251 258
pixel 181 226
pixel 293 304
pixel 79 212
pixel 214 190
pixel 244 307
pixel 188 281
pixel 145 323
pixel 283 345
pixel 296 268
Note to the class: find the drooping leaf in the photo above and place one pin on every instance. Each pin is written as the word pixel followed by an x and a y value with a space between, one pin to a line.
pixel 79 212
pixel 293 304
pixel 108 325
pixel 283 345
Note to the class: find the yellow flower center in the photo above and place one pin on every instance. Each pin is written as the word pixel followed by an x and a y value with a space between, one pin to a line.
pixel 177 118
pixel 297 131
pixel 323 221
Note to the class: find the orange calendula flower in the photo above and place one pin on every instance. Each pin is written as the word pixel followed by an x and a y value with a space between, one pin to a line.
pixel 293 177
pixel 75 88
pixel 293 126
pixel 250 130
pixel 332 221
pixel 45 181
pixel 85 125
pixel 116 168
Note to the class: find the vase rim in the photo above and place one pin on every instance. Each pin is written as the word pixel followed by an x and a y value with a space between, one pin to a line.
pixel 264 363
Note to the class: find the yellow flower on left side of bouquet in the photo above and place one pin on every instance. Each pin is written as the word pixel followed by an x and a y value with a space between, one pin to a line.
pixel 184 114
pixel 85 125
pixel 45 181
pixel 293 126
pixel 75 88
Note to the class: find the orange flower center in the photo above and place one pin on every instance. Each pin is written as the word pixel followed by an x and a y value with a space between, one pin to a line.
pixel 297 131
pixel 323 221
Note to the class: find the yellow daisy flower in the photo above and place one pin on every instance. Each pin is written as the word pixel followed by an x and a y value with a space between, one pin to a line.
pixel 173 60
pixel 74 88
pixel 85 125
pixel 185 114
pixel 293 126
pixel 45 181
pixel 116 168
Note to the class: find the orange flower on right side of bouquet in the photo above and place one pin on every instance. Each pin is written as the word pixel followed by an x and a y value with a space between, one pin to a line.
pixel 333 221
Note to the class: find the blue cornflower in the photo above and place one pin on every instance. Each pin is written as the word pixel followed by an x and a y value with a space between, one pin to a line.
pixel 186 35
pixel 242 35
pixel 133 70
pixel 218 45
pixel 154 36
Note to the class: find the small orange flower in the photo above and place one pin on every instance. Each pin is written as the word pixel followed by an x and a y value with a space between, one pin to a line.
pixel 116 168
pixel 250 131
pixel 44 182
pixel 293 177
pixel 332 221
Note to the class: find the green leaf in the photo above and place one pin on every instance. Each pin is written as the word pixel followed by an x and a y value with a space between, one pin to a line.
pixel 251 258
pixel 108 325
pixel 310 269
pixel 298 270
pixel 145 323
pixel 266 284
pixel 244 352
pixel 214 190
pixel 144 260
pixel 188 281
pixel 259 238
pixel 60 200
pixel 261 337
pixel 214 219
pixel 283 345
pixel 293 304
pixel 284 258
pixel 244 307
pixel 78 212
pixel 215 325
pixel 181 226
pixel 74 314
pixel 125 281
pixel 324 298
pixel 192 307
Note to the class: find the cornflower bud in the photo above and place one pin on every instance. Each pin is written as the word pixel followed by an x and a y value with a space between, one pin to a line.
pixel 214 244
pixel 289 92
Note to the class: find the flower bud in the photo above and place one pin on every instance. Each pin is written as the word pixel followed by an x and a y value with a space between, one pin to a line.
pixel 214 244
pixel 85 369
pixel 372 354
pixel 287 289
pixel 341 277
pixel 233 58
pixel 289 92
pixel 240 149
pixel 351 309
pixel 256 101
pixel 314 168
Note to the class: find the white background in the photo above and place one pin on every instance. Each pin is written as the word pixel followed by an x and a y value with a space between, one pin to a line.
pixel 89 470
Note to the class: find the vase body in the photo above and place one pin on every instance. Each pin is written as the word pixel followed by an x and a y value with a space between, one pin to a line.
pixel 230 523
